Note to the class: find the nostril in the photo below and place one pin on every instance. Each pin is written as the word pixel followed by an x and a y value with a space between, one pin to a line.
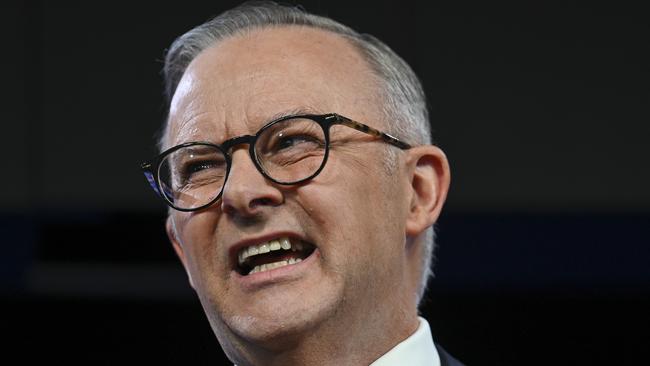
pixel 262 201
pixel 249 206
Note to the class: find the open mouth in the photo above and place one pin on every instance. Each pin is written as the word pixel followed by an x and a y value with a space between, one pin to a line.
pixel 272 254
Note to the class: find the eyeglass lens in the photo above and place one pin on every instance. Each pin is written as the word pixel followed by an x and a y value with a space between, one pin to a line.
pixel 287 152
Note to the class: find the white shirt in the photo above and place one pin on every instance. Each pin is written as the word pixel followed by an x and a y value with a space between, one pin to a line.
pixel 416 350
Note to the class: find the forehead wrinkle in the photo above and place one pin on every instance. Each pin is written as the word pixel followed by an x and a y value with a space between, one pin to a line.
pixel 207 93
pixel 286 112
pixel 190 129
pixel 193 129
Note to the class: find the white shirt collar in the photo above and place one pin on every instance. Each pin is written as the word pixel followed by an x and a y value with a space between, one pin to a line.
pixel 416 350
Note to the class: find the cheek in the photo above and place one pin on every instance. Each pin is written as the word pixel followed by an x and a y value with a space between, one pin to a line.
pixel 196 233
pixel 376 224
pixel 355 216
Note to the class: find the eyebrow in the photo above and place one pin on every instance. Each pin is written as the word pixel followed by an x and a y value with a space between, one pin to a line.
pixel 303 110
pixel 294 111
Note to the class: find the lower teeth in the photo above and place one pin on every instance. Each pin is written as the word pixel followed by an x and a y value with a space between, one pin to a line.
pixel 270 266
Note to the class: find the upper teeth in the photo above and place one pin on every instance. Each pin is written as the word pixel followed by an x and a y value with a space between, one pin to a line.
pixel 269 246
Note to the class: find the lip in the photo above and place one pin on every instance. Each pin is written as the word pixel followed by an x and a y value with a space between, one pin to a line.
pixel 234 249
pixel 284 273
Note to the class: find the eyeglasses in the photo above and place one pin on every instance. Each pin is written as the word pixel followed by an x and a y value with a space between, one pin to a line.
pixel 288 150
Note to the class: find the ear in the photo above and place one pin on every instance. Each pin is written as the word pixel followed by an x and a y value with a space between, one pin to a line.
pixel 429 175
pixel 178 248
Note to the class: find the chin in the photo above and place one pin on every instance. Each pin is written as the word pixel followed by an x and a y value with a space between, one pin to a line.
pixel 278 319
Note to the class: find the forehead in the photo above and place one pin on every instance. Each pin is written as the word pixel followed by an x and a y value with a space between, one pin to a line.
pixel 240 83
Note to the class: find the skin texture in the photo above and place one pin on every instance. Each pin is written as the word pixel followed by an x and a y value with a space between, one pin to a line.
pixel 356 297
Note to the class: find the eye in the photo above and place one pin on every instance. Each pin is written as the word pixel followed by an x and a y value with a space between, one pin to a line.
pixel 196 167
pixel 290 140
pixel 199 169
pixel 287 141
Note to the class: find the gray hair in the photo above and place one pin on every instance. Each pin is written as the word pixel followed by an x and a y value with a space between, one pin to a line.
pixel 404 104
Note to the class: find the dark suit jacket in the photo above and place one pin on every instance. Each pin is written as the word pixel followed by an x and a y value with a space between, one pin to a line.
pixel 446 359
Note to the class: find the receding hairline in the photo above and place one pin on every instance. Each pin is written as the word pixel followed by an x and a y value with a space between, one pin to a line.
pixel 350 43
pixel 375 89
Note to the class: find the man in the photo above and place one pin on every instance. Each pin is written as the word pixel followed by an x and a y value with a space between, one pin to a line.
pixel 303 188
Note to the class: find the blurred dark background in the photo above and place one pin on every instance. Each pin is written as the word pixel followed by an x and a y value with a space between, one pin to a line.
pixel 543 247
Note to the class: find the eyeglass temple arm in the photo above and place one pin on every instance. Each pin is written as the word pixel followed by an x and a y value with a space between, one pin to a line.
pixel 148 173
pixel 371 131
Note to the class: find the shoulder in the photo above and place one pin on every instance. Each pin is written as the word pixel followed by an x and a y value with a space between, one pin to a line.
pixel 446 359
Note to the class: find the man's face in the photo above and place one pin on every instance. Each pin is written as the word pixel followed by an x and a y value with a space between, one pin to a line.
pixel 350 219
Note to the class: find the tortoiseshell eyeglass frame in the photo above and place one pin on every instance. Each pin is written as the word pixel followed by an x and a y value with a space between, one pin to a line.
pixel 150 168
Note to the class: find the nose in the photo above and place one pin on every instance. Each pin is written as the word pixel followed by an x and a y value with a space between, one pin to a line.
pixel 247 192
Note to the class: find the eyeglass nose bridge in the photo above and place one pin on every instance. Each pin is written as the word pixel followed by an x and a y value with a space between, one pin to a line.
pixel 228 145
pixel 239 140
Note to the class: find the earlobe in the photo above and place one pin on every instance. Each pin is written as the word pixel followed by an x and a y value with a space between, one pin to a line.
pixel 178 248
pixel 429 184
